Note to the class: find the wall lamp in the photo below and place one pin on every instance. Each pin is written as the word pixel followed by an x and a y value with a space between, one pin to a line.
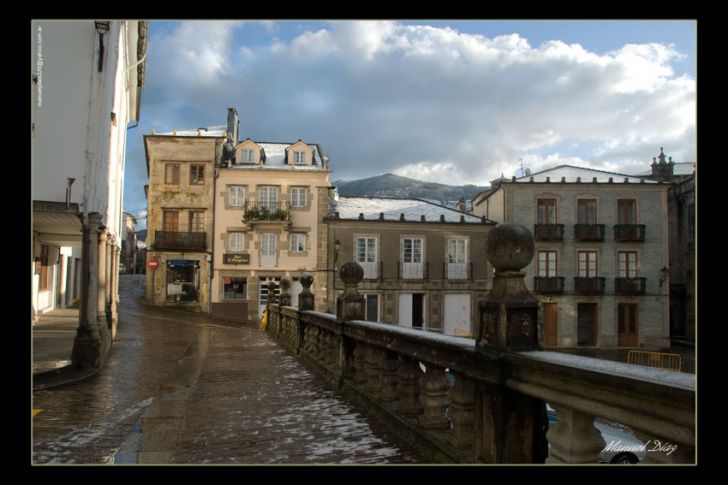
pixel 664 274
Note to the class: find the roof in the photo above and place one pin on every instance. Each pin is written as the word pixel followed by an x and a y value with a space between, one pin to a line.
pixel 569 174
pixel 275 158
pixel 212 131
pixel 682 168
pixel 392 209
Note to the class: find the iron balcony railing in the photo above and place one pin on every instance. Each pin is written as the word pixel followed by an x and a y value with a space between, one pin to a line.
pixel 255 210
pixel 188 241
pixel 630 286
pixel 548 232
pixel 589 286
pixel 629 232
pixel 554 284
pixel 589 232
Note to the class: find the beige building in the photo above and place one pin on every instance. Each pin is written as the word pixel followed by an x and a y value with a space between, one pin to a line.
pixel 601 266
pixel 424 264
pixel 181 168
pixel 270 200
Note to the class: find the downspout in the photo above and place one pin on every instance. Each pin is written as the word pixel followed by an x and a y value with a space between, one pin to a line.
pixel 215 175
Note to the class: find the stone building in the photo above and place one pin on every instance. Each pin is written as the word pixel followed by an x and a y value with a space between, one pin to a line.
pixel 270 201
pixel 601 266
pixel 181 169
pixel 129 244
pixel 86 89
pixel 424 264
pixel 681 216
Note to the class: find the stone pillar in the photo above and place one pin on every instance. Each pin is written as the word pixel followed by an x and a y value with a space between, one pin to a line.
pixel 574 439
pixel 87 343
pixel 272 297
pixel 101 297
pixel 306 298
pixel 350 305
pixel 285 298
pixel 110 280
pixel 511 427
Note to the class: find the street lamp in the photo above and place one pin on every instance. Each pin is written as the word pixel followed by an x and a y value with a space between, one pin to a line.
pixel 337 248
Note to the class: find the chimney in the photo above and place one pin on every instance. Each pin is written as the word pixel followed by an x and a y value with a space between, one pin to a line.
pixel 232 126
pixel 662 171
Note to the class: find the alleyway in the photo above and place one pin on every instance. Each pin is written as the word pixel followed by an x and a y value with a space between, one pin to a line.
pixel 181 388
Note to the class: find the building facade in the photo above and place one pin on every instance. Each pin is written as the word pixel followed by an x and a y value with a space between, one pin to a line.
pixel 602 255
pixel 270 201
pixel 87 81
pixel 181 168
pixel 128 245
pixel 424 265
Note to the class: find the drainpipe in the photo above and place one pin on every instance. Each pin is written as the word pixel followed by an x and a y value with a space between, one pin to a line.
pixel 68 192
pixel 211 268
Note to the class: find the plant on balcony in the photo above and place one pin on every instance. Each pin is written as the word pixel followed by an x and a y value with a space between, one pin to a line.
pixel 265 214
pixel 280 215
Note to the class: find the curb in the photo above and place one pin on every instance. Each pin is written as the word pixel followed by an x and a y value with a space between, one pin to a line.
pixel 62 376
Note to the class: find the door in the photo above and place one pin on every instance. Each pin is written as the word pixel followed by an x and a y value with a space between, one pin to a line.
pixel 418 313
pixel 371 308
pixel 627 325
pixel 550 324
pixel 268 250
pixel 296 289
pixel 457 315
pixel 405 309
pixel 412 258
pixel 586 324
pixel 263 283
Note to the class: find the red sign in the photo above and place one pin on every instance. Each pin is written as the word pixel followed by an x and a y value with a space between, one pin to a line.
pixel 153 264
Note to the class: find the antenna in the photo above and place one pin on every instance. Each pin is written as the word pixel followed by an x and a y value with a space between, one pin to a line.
pixel 521 160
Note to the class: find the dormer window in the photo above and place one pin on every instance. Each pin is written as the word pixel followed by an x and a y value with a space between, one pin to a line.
pixel 247 156
pixel 299 158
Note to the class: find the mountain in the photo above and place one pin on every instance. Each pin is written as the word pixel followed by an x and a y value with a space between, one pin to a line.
pixel 390 185
pixel 141 235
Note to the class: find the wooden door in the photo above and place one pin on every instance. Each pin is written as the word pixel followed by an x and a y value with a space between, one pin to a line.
pixel 586 324
pixel 550 324
pixel 627 325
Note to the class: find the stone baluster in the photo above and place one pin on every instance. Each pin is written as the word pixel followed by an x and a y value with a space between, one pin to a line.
pixel 328 347
pixel 434 387
pixel 307 347
pixel 664 451
pixel 388 392
pixel 462 412
pixel 285 297
pixel 375 358
pixel 574 439
pixel 315 342
pixel 408 387
pixel 360 363
pixel 306 298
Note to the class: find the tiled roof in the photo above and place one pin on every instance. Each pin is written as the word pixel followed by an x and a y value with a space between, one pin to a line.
pixel 570 173
pixel 413 210
pixel 275 158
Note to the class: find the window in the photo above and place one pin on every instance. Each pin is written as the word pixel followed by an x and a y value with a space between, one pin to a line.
pixel 197 221
pixel 236 241
pixel 587 264
pixel 247 156
pixel 371 308
pixel 299 196
pixel 547 211
pixel 171 173
pixel 170 221
pixel 627 211
pixel 236 195
pixel 44 253
pixel 298 243
pixel 268 197
pixel 235 288
pixel 456 251
pixel 366 255
pixel 268 249
pixel 299 158
pixel 197 174
pixel 627 264
pixel 547 264
pixel 586 210
pixel 412 250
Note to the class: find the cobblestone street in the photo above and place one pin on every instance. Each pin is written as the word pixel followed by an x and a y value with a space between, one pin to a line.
pixel 182 388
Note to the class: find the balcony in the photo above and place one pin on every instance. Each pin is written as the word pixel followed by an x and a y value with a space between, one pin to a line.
pixel 411 271
pixel 630 286
pixel 548 232
pixel 265 211
pixel 180 241
pixel 629 233
pixel 589 286
pixel 549 285
pixel 589 232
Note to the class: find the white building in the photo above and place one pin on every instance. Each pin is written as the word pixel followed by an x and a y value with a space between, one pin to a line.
pixel 87 79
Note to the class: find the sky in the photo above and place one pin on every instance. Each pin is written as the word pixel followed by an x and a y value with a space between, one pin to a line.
pixel 453 102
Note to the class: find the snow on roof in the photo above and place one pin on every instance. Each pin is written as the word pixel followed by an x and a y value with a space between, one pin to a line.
pixel 212 131
pixel 275 158
pixel 413 210
pixel 649 374
pixel 570 174
pixel 682 168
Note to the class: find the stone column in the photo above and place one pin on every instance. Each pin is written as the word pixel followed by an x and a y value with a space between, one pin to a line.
pixel 110 280
pixel 87 343
pixel 510 427
pixel 285 298
pixel 350 305
pixel 102 268
pixel 306 298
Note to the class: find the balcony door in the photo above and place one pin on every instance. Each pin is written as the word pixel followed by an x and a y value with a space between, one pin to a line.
pixel 457 259
pixel 627 325
pixel 412 258
pixel 170 221
pixel 550 324
pixel 366 256
pixel 268 197
pixel 268 250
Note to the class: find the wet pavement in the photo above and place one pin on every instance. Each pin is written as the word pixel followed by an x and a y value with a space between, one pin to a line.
pixel 180 387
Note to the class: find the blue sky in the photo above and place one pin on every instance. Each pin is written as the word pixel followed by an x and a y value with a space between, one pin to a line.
pixel 447 101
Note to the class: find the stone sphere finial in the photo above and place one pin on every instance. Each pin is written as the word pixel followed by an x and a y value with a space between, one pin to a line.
pixel 510 247
pixel 285 283
pixel 306 280
pixel 351 273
